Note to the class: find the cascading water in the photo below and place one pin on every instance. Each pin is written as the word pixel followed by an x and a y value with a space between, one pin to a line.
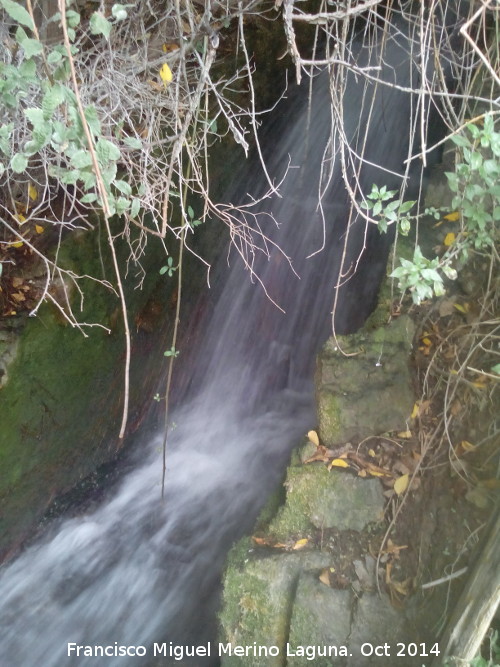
pixel 138 570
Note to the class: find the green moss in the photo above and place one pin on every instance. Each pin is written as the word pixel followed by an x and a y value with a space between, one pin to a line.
pixel 61 407
pixel 306 486
pixel 329 417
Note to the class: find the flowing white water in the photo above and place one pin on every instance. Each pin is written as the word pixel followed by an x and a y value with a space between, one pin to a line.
pixel 138 571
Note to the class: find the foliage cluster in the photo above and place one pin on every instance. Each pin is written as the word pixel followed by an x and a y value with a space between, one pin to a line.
pixel 475 196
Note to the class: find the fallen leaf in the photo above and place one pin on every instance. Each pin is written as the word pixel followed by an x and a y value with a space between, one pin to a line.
pixel 300 544
pixel 371 452
pixel 467 446
pixel 39 229
pixel 20 218
pixel 401 484
pixel 404 434
pixel 16 282
pixel 338 463
pixel 462 309
pixel 168 47
pixel 449 239
pixel 32 192
pixel 427 341
pixel 324 577
pixel 166 74
pixel 18 296
pixel 415 411
pixel 313 437
pixel 17 244
pixel 452 217
pixel 376 473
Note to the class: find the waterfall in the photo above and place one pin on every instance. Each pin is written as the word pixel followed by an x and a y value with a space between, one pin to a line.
pixel 137 570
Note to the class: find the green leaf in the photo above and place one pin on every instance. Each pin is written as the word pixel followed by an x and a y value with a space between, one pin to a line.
pixel 5 134
pixel 92 119
pixel 119 12
pixel 106 151
pixel 382 225
pixel 132 142
pixel 17 12
pixel 122 205
pixel 54 57
pixel 81 159
pixel 35 116
pixel 406 206
pixel 88 178
pixel 32 47
pixel 123 186
pixel 190 212
pixel 392 206
pixel 28 71
pixel 476 160
pixel 99 25
pixel 19 163
pixel 135 208
pixel 405 226
pixel 52 99
pixel 461 141
pixel 109 174
pixel 496 369
pixel 73 18
pixel 89 198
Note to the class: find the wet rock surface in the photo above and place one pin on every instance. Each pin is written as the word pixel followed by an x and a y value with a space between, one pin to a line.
pixel 316 602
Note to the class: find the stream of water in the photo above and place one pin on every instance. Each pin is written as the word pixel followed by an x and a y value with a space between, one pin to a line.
pixel 138 571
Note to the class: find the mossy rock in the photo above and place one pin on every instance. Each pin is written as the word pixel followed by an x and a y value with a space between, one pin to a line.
pixel 257 601
pixel 364 384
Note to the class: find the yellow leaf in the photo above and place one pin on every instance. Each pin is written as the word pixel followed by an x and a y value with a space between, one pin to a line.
pixel 462 309
pixel 300 544
pixel 427 342
pixel 32 192
pixel 339 463
pixel 324 577
pixel 20 218
pixel 374 473
pixel 449 239
pixel 404 434
pixel 371 452
pixel 39 229
pixel 401 484
pixel 166 74
pixel 452 217
pixel 415 411
pixel 17 244
pixel 313 437
pixel 467 446
pixel 478 384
